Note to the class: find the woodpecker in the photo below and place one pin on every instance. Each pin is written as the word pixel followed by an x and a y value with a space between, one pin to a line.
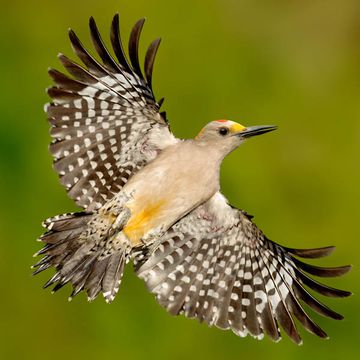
pixel 152 198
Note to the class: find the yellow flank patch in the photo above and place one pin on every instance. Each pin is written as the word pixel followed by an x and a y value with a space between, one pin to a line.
pixel 142 221
pixel 235 128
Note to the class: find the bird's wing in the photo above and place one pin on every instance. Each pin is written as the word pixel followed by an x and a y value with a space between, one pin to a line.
pixel 105 121
pixel 217 266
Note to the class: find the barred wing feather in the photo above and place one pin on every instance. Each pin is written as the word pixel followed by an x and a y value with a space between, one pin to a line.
pixel 104 117
pixel 217 266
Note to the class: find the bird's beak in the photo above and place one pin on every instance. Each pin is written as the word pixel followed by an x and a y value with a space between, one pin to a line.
pixel 256 130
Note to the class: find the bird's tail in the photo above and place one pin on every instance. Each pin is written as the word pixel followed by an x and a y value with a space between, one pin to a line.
pixel 81 257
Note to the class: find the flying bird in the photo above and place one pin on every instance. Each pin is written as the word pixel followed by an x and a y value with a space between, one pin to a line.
pixel 155 199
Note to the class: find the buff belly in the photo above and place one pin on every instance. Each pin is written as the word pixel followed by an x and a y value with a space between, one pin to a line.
pixel 167 189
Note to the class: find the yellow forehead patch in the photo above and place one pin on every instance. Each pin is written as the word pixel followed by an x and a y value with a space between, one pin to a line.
pixel 235 127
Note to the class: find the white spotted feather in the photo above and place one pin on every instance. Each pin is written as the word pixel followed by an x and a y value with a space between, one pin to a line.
pixel 103 118
pixel 233 277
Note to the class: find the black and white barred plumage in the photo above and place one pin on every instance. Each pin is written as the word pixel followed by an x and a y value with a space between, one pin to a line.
pixel 101 117
pixel 230 275
pixel 213 264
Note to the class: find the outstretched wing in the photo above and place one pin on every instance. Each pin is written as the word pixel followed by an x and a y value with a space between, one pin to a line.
pixel 105 120
pixel 217 266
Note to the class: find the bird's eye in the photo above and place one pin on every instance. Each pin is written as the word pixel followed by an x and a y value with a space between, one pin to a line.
pixel 223 131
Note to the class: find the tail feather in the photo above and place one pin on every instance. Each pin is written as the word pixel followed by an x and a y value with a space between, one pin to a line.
pixel 80 259
pixel 113 276
pixel 79 279
pixel 67 221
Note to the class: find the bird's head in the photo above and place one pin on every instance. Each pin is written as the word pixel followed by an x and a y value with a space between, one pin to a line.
pixel 229 134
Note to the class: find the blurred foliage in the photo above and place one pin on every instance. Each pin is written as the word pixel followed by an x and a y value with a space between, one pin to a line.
pixel 291 63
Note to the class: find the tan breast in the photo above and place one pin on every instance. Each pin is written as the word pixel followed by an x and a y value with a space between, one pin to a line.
pixel 178 180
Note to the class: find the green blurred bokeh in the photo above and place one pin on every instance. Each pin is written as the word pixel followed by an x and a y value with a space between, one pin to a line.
pixel 291 63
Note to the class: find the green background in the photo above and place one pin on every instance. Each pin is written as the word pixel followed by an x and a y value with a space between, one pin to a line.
pixel 291 63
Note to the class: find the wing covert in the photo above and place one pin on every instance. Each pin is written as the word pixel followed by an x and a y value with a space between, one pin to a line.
pixel 105 121
pixel 217 266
